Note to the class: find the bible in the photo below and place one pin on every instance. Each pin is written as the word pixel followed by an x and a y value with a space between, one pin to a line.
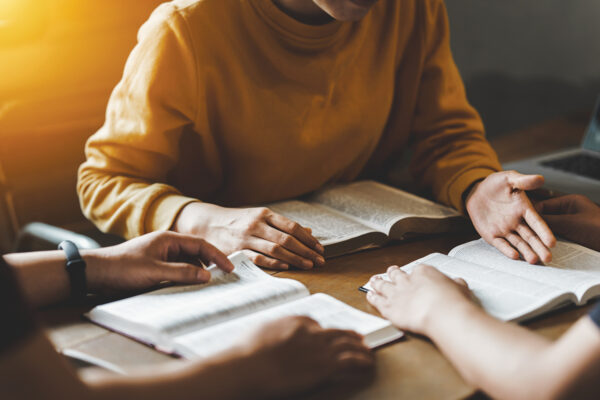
pixel 352 217
pixel 513 290
pixel 197 321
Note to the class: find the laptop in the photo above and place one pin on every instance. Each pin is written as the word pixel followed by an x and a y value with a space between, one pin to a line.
pixel 574 170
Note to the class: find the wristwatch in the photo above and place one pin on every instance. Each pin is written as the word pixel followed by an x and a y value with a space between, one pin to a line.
pixel 75 267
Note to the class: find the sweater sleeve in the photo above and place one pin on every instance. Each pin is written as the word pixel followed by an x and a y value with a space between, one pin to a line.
pixel 122 184
pixel 450 149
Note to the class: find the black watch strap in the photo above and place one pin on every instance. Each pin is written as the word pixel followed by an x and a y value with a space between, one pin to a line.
pixel 75 267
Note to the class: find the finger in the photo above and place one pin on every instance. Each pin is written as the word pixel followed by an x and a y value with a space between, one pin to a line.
pixel 556 205
pixel 293 228
pixel 278 252
pixel 354 361
pixel 345 343
pixel 525 182
pixel 293 245
pixel 302 320
pixel 539 226
pixel 523 247
pixel 332 335
pixel 196 247
pixel 505 248
pixel 182 273
pixel 382 287
pixel 534 241
pixel 266 262
pixel 461 282
pixel 376 300
pixel 559 205
pixel 396 274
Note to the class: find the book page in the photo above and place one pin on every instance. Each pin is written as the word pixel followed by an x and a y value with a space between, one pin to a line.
pixel 377 205
pixel 327 311
pixel 327 226
pixel 179 309
pixel 573 268
pixel 503 295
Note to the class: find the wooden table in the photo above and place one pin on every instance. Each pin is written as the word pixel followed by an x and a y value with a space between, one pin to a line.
pixel 411 368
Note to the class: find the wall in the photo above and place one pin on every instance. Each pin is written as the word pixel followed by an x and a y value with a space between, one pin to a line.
pixel 59 61
pixel 525 61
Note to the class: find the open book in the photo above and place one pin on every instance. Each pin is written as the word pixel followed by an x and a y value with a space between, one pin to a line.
pixel 352 217
pixel 201 320
pixel 514 290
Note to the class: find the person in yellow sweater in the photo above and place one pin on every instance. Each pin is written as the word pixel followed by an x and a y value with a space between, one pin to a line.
pixel 226 104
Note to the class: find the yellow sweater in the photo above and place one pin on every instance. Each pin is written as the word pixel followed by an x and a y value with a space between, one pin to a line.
pixel 236 103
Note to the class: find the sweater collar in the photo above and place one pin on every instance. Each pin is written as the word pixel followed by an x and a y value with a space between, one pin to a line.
pixel 297 32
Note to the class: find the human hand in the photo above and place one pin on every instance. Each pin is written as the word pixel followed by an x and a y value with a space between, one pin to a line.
pixel 270 240
pixel 148 260
pixel 505 218
pixel 295 353
pixel 574 217
pixel 409 301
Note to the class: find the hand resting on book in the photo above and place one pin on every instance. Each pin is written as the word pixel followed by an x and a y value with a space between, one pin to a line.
pixel 574 217
pixel 503 215
pixel 270 240
pixel 487 352
pixel 411 300
pixel 148 260
pixel 138 264
pixel 295 353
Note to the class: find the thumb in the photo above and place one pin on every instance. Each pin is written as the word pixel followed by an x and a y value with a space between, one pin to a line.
pixel 555 206
pixel 526 182
pixel 177 272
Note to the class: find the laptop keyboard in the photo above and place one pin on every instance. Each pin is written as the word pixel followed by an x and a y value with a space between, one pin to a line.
pixel 580 164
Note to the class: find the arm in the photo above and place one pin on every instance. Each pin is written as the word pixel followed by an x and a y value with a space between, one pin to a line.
pixel 504 360
pixel 135 265
pixel 261 368
pixel 123 185
pixel 450 149
pixel 451 154
pixel 574 217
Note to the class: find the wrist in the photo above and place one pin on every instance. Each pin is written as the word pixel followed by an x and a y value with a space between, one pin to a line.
pixel 96 262
pixel 193 218
pixel 468 194
pixel 437 318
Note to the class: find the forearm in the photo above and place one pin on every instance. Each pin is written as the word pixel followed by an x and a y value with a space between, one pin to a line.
pixel 126 206
pixel 43 277
pixel 230 375
pixel 489 353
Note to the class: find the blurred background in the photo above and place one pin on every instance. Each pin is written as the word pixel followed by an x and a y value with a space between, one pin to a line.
pixel 523 61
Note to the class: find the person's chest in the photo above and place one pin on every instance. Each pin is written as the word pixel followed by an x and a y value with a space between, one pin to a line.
pixel 283 116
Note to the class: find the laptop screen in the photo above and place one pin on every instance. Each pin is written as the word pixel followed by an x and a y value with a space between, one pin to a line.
pixel 592 136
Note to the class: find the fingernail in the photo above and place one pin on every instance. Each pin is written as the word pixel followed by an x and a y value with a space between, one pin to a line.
pixel 307 263
pixel 320 248
pixel 284 266
pixel 320 261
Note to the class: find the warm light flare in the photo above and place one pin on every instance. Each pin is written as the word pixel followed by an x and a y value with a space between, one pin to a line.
pixel 21 20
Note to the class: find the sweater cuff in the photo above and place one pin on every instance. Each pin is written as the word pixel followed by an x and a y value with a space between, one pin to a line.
pixel 162 213
pixel 461 183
